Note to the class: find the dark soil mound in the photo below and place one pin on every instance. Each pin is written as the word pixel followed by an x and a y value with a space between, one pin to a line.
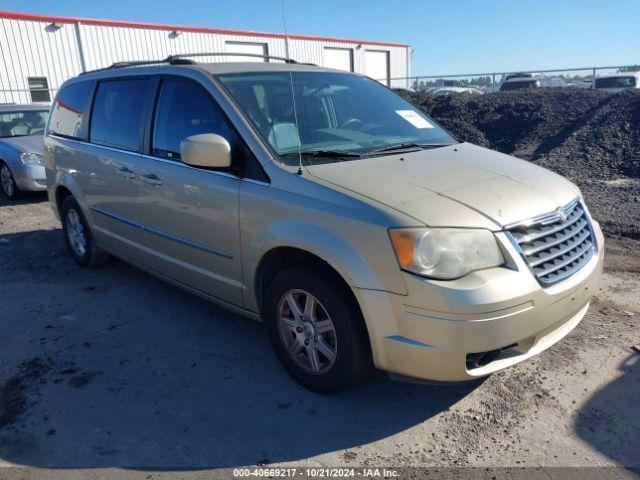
pixel 590 137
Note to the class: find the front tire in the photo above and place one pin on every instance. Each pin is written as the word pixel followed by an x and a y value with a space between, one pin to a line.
pixel 8 183
pixel 316 330
pixel 78 237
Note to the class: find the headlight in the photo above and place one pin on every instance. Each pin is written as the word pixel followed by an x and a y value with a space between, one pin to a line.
pixel 445 253
pixel 31 158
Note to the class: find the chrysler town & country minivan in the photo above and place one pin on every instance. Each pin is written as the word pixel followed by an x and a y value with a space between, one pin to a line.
pixel 353 225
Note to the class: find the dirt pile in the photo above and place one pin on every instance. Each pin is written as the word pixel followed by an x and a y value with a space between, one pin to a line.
pixel 590 137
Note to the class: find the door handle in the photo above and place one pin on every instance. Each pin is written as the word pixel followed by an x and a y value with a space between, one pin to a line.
pixel 126 173
pixel 151 179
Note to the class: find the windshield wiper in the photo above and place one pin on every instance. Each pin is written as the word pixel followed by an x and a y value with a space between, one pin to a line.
pixel 405 146
pixel 323 153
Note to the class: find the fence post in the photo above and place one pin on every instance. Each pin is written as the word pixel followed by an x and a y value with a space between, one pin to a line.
pixel 493 84
pixel 593 78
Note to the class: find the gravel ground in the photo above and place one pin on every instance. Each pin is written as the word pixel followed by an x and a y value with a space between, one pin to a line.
pixel 114 368
pixel 590 137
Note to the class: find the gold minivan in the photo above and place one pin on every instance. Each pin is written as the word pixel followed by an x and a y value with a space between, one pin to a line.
pixel 353 225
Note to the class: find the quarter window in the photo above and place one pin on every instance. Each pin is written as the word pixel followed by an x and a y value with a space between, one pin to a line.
pixel 185 109
pixel 118 108
pixel 69 110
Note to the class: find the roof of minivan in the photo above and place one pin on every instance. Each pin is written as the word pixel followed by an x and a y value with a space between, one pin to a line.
pixel 241 67
pixel 211 68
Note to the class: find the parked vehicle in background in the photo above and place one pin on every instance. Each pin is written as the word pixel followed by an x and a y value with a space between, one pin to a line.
pixel 491 88
pixel 357 228
pixel 552 82
pixel 585 84
pixel 446 91
pixel 618 82
pixel 520 81
pixel 21 144
pixel 446 82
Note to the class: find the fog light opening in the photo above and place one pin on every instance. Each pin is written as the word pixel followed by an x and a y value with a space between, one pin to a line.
pixel 482 359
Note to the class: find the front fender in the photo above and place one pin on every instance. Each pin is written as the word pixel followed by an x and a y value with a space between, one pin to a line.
pixel 340 254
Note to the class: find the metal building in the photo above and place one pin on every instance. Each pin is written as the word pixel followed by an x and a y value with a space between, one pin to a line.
pixel 39 52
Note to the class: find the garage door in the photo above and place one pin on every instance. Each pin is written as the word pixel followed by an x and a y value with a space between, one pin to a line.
pixel 376 65
pixel 338 58
pixel 246 47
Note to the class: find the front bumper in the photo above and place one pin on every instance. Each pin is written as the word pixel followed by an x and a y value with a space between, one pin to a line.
pixel 455 330
pixel 29 177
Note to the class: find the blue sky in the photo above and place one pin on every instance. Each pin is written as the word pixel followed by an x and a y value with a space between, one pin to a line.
pixel 461 36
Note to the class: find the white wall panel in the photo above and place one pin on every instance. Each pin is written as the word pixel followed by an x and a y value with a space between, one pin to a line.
pixel 32 48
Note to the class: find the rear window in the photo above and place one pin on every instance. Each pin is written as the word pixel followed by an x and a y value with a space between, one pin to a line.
pixel 616 82
pixel 69 110
pixel 116 119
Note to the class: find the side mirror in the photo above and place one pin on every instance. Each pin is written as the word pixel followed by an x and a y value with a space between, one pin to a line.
pixel 206 150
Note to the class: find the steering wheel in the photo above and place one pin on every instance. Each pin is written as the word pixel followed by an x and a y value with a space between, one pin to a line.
pixel 351 124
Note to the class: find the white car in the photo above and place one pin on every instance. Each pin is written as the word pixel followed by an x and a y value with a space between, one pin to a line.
pixel 21 144
pixel 446 91
pixel 618 82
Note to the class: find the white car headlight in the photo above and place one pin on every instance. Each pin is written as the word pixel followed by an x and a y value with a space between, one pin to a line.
pixel 29 158
pixel 445 253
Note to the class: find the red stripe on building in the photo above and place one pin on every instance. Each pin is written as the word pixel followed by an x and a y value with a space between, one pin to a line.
pixel 183 28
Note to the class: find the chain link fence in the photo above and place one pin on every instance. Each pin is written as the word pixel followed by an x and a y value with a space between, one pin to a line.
pixel 612 79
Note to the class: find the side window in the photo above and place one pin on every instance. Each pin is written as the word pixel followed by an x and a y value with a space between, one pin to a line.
pixel 185 109
pixel 117 113
pixel 69 110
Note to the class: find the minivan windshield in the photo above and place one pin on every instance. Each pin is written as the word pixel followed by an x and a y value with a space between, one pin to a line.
pixel 339 115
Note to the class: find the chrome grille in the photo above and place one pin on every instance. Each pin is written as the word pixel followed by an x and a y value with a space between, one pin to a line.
pixel 556 245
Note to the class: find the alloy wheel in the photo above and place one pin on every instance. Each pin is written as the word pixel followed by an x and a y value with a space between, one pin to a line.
pixel 76 234
pixel 307 332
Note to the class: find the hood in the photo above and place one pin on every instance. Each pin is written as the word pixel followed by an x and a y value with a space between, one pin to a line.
pixel 459 185
pixel 28 143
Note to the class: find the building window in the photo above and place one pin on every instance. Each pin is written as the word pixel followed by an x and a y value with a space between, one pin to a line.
pixel 39 89
pixel 247 48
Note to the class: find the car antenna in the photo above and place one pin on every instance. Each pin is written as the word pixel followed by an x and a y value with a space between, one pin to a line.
pixel 293 95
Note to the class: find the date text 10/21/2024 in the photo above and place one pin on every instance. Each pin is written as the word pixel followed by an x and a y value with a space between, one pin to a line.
pixel 319 472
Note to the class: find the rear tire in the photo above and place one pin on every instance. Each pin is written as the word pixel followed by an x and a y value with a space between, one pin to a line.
pixel 8 183
pixel 322 343
pixel 78 237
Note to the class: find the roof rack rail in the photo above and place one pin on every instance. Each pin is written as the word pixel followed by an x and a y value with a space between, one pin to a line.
pixel 183 56
pixel 132 63
pixel 182 59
